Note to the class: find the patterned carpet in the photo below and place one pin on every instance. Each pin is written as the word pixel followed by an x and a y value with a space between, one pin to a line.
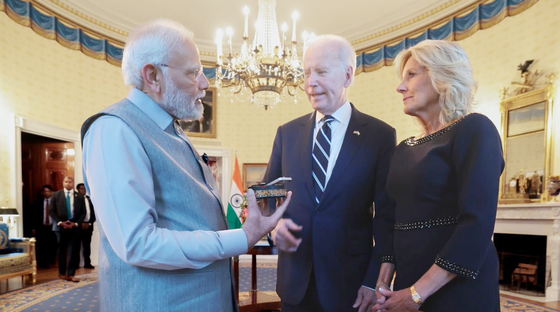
pixel 60 295
pixel 514 305
pixel 54 296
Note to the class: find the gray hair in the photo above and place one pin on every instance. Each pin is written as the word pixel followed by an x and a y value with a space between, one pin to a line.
pixel 450 72
pixel 341 48
pixel 150 43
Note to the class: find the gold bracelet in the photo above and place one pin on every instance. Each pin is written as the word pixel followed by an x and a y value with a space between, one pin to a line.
pixel 415 296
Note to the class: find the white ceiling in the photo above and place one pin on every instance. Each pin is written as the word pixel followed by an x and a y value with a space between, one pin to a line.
pixel 356 20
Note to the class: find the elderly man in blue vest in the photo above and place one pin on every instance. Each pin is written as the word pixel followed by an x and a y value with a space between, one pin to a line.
pixel 165 243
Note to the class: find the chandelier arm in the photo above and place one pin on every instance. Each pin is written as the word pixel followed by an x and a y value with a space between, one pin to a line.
pixel 265 67
pixel 239 88
pixel 291 92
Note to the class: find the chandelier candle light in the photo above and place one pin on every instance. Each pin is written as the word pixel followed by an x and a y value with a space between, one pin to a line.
pixel 266 67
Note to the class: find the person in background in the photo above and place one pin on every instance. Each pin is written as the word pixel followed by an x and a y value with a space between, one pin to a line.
pixel 43 229
pixel 67 211
pixel 87 226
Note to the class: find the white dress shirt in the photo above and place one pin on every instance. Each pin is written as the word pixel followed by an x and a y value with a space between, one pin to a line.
pixel 88 209
pixel 118 174
pixel 338 131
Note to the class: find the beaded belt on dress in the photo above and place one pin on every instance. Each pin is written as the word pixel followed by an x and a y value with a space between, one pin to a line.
pixel 420 225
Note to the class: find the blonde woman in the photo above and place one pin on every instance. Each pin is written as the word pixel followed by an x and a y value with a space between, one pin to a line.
pixel 445 185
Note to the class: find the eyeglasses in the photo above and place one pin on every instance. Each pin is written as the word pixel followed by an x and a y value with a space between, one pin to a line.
pixel 195 73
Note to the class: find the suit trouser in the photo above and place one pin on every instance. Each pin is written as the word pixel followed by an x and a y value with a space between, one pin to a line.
pixel 68 240
pixel 85 238
pixel 46 245
pixel 310 301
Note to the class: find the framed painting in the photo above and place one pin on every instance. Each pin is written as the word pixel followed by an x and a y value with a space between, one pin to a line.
pixel 253 173
pixel 204 127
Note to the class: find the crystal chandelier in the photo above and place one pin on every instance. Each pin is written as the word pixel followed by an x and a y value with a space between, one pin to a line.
pixel 266 67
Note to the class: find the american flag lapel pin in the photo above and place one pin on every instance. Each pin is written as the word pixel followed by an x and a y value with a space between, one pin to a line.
pixel 357 133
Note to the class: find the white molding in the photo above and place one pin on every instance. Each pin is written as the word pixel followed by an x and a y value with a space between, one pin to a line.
pixel 43 129
pixel 92 17
pixel 536 219
pixel 16 157
pixel 225 156
pixel 114 18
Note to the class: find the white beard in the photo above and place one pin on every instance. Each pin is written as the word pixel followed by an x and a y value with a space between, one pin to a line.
pixel 179 104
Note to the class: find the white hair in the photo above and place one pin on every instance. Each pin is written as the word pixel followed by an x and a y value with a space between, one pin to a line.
pixel 341 48
pixel 450 72
pixel 150 43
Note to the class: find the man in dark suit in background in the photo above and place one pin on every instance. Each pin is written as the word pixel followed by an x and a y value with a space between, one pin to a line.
pixel 42 229
pixel 87 226
pixel 338 159
pixel 67 211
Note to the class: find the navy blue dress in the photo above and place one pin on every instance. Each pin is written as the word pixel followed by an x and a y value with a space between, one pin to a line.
pixel 446 191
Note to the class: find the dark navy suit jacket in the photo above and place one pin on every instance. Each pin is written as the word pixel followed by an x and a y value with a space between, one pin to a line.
pixel 59 212
pixel 338 233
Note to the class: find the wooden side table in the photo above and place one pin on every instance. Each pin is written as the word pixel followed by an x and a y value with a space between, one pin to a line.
pixel 257 301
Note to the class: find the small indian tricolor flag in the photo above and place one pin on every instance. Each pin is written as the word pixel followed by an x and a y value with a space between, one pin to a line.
pixel 235 199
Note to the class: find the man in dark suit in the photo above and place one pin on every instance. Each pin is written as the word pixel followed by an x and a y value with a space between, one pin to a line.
pixel 67 211
pixel 42 229
pixel 338 159
pixel 87 226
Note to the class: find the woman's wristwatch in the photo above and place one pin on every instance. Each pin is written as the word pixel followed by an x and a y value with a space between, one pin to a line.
pixel 415 296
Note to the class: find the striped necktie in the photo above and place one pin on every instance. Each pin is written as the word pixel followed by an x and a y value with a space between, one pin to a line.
pixel 321 154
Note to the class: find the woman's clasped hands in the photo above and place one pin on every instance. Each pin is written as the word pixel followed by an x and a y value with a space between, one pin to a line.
pixel 388 300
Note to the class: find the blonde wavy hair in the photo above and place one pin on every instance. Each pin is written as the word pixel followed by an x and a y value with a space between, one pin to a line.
pixel 450 72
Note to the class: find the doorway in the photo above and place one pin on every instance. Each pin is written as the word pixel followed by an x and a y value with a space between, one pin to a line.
pixel 43 161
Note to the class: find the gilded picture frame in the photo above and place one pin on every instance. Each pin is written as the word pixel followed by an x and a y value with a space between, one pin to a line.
pixel 527 140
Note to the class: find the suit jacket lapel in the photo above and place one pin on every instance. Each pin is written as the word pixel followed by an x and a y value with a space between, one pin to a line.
pixel 305 140
pixel 352 142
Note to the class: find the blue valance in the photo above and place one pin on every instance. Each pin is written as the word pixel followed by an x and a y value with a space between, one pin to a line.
pixel 462 25
pixel 49 25
pixel 465 23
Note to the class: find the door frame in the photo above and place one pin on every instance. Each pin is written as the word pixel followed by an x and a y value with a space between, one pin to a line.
pixel 27 125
